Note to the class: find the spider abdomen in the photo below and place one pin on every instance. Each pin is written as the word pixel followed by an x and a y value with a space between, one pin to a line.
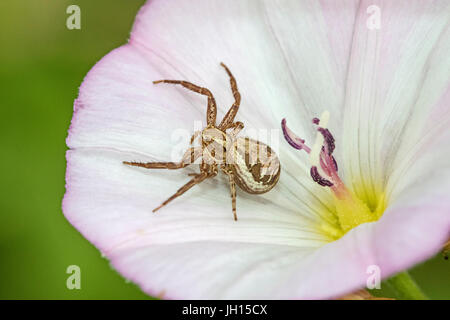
pixel 256 166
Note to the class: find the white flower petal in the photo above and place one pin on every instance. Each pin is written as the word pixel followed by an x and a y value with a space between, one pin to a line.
pixel 397 73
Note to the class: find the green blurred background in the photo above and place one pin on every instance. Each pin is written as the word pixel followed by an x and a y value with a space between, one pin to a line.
pixel 42 65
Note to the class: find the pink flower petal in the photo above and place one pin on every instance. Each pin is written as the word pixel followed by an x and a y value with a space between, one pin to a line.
pixel 262 271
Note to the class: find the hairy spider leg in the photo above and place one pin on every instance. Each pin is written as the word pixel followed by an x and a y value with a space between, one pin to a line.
pixel 195 136
pixel 229 116
pixel 230 175
pixel 211 111
pixel 206 171
pixel 189 157
pixel 237 127
pixel 196 180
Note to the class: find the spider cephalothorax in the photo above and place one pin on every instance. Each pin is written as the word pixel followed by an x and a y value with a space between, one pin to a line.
pixel 250 164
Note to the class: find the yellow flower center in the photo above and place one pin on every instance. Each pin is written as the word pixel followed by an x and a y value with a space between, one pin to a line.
pixel 352 211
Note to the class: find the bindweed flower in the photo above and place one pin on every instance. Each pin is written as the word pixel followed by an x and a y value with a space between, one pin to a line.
pixel 377 71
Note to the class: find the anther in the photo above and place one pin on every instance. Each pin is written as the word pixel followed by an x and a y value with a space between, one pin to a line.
pixel 292 138
pixel 314 156
pixel 319 179
pixel 328 140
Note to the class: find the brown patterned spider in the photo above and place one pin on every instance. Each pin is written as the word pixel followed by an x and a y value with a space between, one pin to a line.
pixel 250 164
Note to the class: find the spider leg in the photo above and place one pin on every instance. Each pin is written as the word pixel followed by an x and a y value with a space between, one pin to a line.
pixel 211 112
pixel 195 136
pixel 196 180
pixel 229 117
pixel 230 175
pixel 189 157
pixel 237 127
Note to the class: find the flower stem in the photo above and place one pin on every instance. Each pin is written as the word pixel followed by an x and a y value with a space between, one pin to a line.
pixel 404 287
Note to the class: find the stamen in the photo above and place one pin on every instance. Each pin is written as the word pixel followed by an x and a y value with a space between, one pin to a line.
pixel 328 164
pixel 335 164
pixel 293 139
pixel 350 210
pixel 319 179
pixel 328 140
pixel 325 164
pixel 314 156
